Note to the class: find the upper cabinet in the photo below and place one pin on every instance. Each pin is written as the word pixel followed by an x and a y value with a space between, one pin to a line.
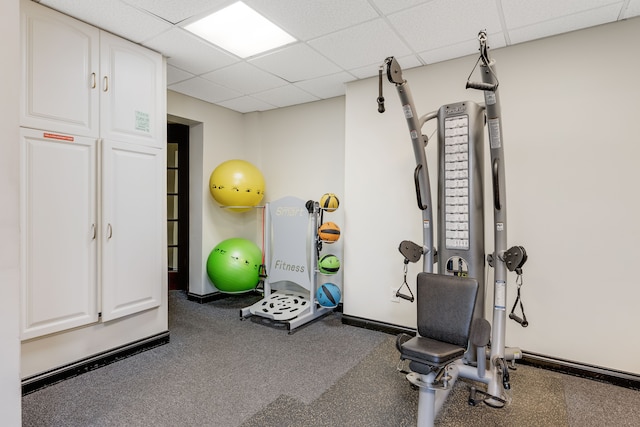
pixel 83 81
pixel 131 92
pixel 60 67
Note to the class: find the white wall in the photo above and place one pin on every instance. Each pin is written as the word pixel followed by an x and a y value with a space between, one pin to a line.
pixel 302 154
pixel 10 393
pixel 570 117
pixel 299 150
pixel 216 135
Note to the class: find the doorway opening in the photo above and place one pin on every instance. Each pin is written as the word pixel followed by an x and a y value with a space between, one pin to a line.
pixel 178 206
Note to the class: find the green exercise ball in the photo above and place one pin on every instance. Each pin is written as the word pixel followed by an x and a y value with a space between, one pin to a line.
pixel 234 264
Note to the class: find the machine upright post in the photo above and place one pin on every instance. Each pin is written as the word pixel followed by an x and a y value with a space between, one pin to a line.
pixel 313 250
pixel 421 174
pixel 494 123
pixel 266 238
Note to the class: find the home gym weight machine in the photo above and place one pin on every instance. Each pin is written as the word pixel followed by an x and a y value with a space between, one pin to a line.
pixel 460 235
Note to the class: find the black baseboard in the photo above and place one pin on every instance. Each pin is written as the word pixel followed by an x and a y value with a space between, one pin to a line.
pixel 596 373
pixel 216 296
pixel 609 376
pixel 374 325
pixel 45 379
pixel 203 299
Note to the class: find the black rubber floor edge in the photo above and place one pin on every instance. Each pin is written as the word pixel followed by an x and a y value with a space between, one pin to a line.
pixel 605 375
pixel 39 381
pixel 374 325
pixel 609 376
pixel 203 299
pixel 216 296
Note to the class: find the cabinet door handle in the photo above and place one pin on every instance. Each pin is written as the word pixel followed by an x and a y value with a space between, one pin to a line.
pixel 93 231
pixel 109 231
pixel 93 80
pixel 105 84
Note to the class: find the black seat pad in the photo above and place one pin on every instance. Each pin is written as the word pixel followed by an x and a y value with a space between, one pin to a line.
pixel 430 352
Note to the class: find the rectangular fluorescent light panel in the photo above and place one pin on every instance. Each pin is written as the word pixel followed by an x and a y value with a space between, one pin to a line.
pixel 240 30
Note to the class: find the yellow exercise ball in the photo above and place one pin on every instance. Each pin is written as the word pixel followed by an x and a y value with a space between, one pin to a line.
pixel 237 183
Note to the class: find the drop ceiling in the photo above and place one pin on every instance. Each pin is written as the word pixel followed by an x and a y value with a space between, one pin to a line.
pixel 338 40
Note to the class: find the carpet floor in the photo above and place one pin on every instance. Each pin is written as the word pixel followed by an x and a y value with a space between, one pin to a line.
pixel 220 371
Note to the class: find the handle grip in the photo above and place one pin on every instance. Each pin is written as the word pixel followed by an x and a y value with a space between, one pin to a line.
pixel 518 319
pixel 416 179
pixel 482 86
pixel 405 297
pixel 496 184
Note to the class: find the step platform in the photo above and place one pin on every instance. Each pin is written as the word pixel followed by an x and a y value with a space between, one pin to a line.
pixel 293 308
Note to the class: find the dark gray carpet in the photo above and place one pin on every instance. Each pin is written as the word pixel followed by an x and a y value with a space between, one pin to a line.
pixel 220 371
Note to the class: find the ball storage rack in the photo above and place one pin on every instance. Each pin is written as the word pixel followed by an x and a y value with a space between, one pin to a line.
pixel 291 260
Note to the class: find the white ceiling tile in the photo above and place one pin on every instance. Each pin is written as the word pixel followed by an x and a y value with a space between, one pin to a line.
pixel 339 40
pixel 519 13
pixel 244 78
pixel 468 47
pixel 390 6
pixel 312 18
pixel 115 17
pixel 246 104
pixel 190 53
pixel 565 24
pixel 368 71
pixel 442 23
pixel 327 86
pixel 175 75
pixel 205 90
pixel 285 96
pixel 633 9
pixel 358 46
pixel 176 11
pixel 295 63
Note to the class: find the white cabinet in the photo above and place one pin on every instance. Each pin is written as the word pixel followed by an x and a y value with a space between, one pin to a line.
pixel 60 66
pixel 133 217
pixel 93 183
pixel 131 106
pixel 59 229
pixel 83 81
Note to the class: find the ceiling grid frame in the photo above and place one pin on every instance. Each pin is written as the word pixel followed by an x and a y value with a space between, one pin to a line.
pixel 338 40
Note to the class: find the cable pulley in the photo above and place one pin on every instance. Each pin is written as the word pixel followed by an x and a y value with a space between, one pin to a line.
pixel 412 253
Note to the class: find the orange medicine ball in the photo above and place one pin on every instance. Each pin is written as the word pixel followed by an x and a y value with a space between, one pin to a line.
pixel 329 232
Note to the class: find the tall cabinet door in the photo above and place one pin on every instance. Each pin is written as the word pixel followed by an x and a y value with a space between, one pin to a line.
pixel 59 234
pixel 133 218
pixel 60 66
pixel 132 92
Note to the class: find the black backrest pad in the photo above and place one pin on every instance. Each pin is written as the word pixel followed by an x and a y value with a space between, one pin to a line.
pixel 445 307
